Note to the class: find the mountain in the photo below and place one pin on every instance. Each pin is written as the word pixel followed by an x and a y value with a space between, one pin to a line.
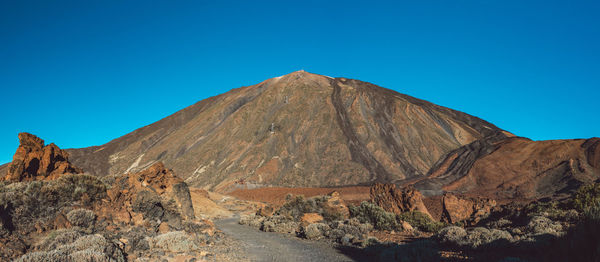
pixel 516 167
pixel 299 129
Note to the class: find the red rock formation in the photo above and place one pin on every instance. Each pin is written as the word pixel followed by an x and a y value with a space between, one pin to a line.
pixel 397 201
pixel 337 205
pixel 34 161
pixel 150 185
pixel 459 209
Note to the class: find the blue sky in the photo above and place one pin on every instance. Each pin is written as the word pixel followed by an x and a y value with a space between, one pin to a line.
pixel 80 73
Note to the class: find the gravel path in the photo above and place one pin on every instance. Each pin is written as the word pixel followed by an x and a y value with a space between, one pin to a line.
pixel 267 246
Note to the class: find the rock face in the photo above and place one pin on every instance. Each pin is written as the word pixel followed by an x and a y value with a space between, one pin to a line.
pixel 35 161
pixel 461 209
pixel 145 196
pixel 301 129
pixel 397 201
pixel 337 205
pixel 509 168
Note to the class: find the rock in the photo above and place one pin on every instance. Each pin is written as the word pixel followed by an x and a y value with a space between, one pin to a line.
pixel 164 182
pixel 163 228
pixel 398 201
pixel 153 194
pixel 34 161
pixel 335 204
pixel 457 209
pixel 310 218
pixel 406 226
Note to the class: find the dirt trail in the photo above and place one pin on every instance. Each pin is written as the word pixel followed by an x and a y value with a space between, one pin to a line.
pixel 264 246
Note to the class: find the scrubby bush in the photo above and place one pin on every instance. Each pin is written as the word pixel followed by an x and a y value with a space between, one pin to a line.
pixel 370 213
pixel 540 225
pixel 352 227
pixel 313 231
pixel 27 203
pixel 451 234
pixel 586 197
pixel 70 245
pixel 421 221
pixel 297 206
pixel 582 242
pixel 58 238
pixel 176 241
pixel 383 220
pixel 81 217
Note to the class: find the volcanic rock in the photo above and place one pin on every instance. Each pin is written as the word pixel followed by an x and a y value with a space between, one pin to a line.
pixel 143 196
pixel 459 209
pixel 35 161
pixel 398 201
pixel 311 218
pixel 297 130
pixel 335 204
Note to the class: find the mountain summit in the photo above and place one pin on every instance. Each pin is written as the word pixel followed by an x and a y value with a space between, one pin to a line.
pixel 300 129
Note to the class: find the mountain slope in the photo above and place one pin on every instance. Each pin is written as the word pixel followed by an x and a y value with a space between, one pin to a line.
pixel 516 168
pixel 300 129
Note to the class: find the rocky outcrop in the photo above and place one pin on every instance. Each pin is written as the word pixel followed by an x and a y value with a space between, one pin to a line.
pixel 335 204
pixel 398 201
pixel 463 209
pixel 297 130
pixel 36 161
pixel 153 194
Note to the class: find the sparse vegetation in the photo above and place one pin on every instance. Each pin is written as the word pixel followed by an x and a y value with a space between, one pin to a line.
pixel 587 197
pixel 81 217
pixel 296 206
pixel 370 213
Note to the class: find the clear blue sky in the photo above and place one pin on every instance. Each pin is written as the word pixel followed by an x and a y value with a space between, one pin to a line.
pixel 80 73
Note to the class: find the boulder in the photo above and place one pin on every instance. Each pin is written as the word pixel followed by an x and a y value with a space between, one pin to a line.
pixel 398 201
pixel 458 209
pixel 335 204
pixel 152 195
pixel 310 218
pixel 35 161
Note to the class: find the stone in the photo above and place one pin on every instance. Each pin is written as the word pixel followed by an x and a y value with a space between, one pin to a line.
pixel 458 209
pixel 336 204
pixel 35 161
pixel 398 201
pixel 163 228
pixel 311 218
pixel 406 226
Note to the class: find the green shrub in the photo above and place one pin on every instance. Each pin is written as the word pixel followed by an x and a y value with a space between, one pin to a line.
pixel 81 217
pixel 383 220
pixel 421 221
pixel 296 206
pixel 582 242
pixel 374 215
pixel 586 197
